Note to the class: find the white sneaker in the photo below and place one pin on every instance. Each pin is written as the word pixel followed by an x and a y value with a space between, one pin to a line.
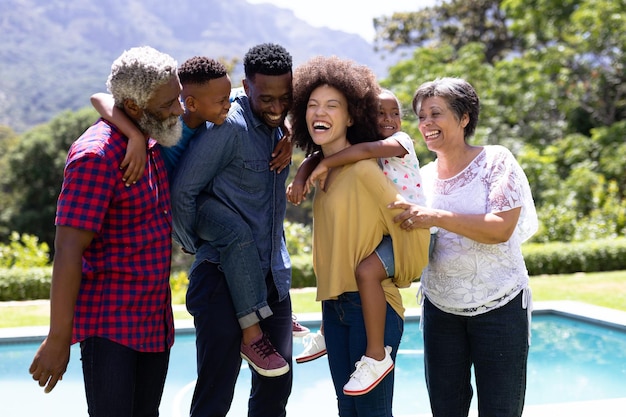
pixel 314 347
pixel 369 372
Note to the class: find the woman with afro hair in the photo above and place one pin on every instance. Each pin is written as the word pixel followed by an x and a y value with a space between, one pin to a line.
pixel 335 105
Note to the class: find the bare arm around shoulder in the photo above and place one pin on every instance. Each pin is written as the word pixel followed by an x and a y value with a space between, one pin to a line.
pixel 298 189
pixel 281 155
pixel 52 357
pixel 489 228
pixel 385 148
pixel 134 161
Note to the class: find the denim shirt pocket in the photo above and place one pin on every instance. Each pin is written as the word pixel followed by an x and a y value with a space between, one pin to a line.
pixel 254 177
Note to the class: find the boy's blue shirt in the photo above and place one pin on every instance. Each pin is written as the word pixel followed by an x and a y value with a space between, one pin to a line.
pixel 172 154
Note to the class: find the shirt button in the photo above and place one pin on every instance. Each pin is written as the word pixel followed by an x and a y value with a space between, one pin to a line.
pixel 164 211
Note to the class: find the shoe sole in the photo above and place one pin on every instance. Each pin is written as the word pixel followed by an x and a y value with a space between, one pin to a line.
pixel 309 358
pixel 267 372
pixel 371 387
pixel 301 334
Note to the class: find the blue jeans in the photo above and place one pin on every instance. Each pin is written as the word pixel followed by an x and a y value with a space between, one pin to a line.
pixel 344 331
pixel 120 381
pixel 218 343
pixel 495 343
pixel 384 251
pixel 231 236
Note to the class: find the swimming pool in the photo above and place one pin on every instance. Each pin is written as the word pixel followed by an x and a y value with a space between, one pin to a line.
pixel 570 361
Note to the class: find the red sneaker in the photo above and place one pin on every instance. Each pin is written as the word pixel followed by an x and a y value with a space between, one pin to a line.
pixel 263 357
pixel 298 329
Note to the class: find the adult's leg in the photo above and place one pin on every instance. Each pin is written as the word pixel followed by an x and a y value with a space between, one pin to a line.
pixel 340 358
pixel 269 395
pixel 499 341
pixel 151 373
pixel 218 339
pixel 344 330
pixel 115 381
pixel 446 362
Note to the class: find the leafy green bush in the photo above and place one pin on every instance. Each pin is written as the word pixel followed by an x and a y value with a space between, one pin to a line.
pixel 20 283
pixel 302 275
pixel 566 258
pixel 24 251
pixel 298 238
pixel 178 283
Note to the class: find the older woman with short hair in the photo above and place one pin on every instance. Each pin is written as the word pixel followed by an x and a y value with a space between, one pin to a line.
pixel 477 304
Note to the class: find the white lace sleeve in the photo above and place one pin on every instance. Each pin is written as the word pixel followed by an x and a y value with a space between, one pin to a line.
pixel 509 189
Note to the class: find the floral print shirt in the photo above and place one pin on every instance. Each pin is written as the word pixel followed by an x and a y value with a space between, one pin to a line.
pixel 466 277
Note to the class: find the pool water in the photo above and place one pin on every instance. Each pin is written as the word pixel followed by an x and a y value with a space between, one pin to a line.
pixel 570 360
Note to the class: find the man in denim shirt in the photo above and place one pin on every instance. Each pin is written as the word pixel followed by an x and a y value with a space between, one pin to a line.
pixel 230 163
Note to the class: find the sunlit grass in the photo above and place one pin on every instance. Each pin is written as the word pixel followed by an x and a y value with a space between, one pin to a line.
pixel 606 289
pixel 24 314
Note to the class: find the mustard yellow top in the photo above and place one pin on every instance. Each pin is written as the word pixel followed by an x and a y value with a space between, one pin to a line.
pixel 350 219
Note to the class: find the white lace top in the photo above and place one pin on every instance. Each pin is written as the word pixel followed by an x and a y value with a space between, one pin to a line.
pixel 466 277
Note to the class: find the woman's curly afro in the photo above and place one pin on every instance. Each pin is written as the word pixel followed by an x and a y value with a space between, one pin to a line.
pixel 357 83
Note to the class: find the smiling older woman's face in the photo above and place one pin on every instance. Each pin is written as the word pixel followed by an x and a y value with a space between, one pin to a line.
pixel 439 125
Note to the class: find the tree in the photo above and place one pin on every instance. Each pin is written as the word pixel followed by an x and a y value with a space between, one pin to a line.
pixel 553 92
pixel 591 35
pixel 35 173
pixel 455 23
pixel 577 46
pixel 8 142
pixel 611 142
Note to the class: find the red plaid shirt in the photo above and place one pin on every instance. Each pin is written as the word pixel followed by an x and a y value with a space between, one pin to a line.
pixel 124 293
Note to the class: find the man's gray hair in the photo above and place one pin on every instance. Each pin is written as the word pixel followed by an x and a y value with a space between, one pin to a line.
pixel 138 73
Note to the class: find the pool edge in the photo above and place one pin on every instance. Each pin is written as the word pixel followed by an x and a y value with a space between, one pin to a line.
pixel 573 309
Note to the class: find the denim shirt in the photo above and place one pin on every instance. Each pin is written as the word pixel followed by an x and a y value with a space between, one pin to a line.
pixel 230 162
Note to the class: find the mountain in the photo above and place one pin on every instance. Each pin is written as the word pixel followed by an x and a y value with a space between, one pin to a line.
pixel 55 53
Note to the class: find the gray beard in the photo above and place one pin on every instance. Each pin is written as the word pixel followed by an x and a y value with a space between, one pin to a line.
pixel 163 131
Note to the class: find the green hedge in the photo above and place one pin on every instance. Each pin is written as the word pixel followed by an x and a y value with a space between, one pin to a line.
pixel 18 284
pixel 541 258
pixel 302 275
pixel 571 257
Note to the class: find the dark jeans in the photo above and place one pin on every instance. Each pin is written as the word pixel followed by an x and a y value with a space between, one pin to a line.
pixel 239 259
pixel 495 343
pixel 344 332
pixel 120 381
pixel 218 343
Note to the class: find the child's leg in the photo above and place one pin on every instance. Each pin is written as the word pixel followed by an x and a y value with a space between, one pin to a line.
pixel 250 333
pixel 369 275
pixel 226 231
pixel 377 361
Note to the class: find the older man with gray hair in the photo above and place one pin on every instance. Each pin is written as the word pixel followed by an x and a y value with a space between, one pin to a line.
pixel 110 278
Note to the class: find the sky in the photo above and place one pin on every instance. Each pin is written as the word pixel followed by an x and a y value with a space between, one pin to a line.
pixel 353 16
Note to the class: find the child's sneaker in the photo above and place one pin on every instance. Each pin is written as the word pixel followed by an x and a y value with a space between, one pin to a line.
pixel 298 329
pixel 369 372
pixel 263 357
pixel 314 347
